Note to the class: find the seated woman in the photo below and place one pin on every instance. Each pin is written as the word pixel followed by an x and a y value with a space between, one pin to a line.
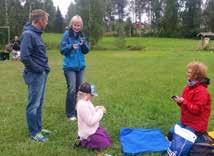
pixel 195 102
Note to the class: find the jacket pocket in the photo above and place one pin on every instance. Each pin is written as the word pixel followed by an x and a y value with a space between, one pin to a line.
pixel 29 76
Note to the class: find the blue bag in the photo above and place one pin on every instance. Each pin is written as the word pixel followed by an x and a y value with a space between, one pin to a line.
pixel 182 141
pixel 135 141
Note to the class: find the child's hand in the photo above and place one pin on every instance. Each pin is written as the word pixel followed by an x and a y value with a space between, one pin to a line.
pixel 103 109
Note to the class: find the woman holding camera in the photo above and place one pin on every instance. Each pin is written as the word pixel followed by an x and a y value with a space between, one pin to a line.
pixel 73 47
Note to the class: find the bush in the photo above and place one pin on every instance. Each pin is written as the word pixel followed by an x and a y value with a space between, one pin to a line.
pixel 135 47
pixel 110 34
pixel 97 47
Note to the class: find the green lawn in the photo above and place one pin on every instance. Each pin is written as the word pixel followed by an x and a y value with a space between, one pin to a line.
pixel 135 87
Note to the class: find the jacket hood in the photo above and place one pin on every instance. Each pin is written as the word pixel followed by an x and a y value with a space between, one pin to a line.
pixel 29 26
pixel 205 81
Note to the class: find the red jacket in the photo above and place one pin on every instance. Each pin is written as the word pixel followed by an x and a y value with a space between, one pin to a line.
pixel 196 107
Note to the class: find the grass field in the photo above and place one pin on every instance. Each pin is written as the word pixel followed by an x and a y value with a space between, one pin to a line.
pixel 135 87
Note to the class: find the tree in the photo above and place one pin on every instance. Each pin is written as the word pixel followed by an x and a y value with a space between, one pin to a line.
pixel 59 21
pixel 139 7
pixel 170 18
pixel 2 12
pixel 191 17
pixel 120 7
pixel 129 27
pixel 156 13
pixel 209 16
pixel 96 16
pixel 19 14
pixel 71 12
pixel 109 14
pixel 49 7
pixel 14 16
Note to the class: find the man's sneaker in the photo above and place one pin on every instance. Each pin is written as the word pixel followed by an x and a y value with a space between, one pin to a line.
pixel 39 137
pixel 45 132
pixel 72 118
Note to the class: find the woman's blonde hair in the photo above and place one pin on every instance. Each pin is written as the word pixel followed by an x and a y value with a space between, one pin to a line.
pixel 199 70
pixel 74 19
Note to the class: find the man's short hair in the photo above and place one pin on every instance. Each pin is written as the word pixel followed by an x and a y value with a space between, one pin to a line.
pixel 38 14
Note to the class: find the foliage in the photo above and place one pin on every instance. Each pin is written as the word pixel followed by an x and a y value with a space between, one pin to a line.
pixel 170 19
pixel 3 38
pixel 129 27
pixel 19 14
pixel 156 11
pixel 140 7
pixel 14 17
pixel 48 6
pixel 109 14
pixel 165 18
pixel 209 16
pixel 59 21
pixel 191 18
pixel 95 27
pixel 71 12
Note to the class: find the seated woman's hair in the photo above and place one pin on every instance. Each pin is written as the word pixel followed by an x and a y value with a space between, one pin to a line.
pixel 199 70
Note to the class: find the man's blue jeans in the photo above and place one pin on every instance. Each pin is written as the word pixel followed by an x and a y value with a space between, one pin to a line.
pixel 73 80
pixel 36 89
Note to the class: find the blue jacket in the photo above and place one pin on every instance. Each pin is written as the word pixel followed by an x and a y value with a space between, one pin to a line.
pixel 33 50
pixel 73 58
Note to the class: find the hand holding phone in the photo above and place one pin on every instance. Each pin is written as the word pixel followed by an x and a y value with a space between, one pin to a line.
pixel 178 99
pixel 174 97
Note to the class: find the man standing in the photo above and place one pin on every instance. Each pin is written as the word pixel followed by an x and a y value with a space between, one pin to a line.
pixel 34 58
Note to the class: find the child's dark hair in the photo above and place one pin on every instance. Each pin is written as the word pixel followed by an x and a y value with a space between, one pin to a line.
pixel 85 87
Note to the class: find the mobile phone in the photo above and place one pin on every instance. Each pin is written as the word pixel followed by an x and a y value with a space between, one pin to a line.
pixel 174 97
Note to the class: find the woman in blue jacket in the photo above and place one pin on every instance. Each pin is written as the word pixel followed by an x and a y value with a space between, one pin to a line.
pixel 73 46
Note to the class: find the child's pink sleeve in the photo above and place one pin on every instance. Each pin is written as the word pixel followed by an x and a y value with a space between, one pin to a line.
pixel 90 118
